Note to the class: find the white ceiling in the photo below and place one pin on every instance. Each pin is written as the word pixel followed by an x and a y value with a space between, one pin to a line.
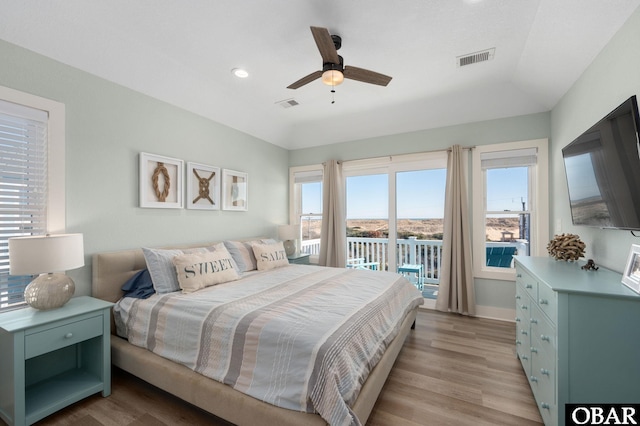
pixel 182 52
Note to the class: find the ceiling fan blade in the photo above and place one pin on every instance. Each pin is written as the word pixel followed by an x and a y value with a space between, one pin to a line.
pixel 325 45
pixel 304 80
pixel 366 76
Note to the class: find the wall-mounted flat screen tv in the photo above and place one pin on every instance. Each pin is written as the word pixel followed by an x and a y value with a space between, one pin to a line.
pixel 603 171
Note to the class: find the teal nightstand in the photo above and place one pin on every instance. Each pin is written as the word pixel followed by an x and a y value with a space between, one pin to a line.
pixel 299 259
pixel 51 359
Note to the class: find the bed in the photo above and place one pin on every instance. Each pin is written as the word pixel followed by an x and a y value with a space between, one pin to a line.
pixel 185 378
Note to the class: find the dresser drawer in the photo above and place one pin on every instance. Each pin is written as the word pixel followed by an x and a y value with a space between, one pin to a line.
pixel 543 383
pixel 548 302
pixel 61 334
pixel 542 330
pixel 527 282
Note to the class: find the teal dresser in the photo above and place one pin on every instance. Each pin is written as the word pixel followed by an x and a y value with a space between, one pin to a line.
pixel 51 359
pixel 577 335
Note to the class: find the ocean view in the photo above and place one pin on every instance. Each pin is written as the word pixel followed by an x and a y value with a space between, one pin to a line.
pixel 423 229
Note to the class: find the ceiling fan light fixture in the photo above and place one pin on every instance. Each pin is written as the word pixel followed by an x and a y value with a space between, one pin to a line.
pixel 332 77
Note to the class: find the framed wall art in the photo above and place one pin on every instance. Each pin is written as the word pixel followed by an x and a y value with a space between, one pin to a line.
pixel 160 182
pixel 235 190
pixel 631 275
pixel 203 187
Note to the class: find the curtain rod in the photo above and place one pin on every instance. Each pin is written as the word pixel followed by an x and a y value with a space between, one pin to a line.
pixel 390 157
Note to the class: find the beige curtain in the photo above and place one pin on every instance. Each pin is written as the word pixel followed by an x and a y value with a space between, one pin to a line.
pixel 456 292
pixel 333 240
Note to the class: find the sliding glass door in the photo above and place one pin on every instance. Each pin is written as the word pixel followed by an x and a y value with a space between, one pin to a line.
pixel 368 221
pixel 395 212
pixel 420 226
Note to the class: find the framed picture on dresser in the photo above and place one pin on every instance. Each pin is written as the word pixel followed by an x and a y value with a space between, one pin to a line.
pixel 631 275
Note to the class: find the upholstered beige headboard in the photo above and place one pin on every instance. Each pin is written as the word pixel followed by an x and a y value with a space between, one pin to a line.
pixel 112 269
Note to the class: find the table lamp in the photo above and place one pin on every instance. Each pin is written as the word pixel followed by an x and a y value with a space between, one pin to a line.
pixel 289 234
pixel 46 255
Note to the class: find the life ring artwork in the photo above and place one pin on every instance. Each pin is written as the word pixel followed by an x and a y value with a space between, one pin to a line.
pixel 203 187
pixel 160 181
pixel 235 190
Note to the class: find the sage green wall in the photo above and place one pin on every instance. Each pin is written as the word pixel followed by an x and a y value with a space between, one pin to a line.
pixel 489 293
pixel 611 78
pixel 534 126
pixel 107 126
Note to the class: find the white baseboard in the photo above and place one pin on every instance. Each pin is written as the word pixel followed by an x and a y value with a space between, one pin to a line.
pixel 489 312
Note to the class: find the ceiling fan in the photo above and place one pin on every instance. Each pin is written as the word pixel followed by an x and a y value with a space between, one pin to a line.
pixel 333 69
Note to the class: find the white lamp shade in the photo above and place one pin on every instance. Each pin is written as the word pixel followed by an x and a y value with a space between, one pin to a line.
pixel 40 254
pixel 289 232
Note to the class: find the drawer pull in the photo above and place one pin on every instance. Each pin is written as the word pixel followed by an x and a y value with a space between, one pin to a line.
pixel 533 379
pixel 518 297
pixel 545 372
pixel 518 275
pixel 523 307
pixel 517 319
pixel 544 302
pixel 534 321
pixel 545 338
pixel 525 332
pixel 68 335
pixel 518 342
pixel 533 349
pixel 545 406
pixel 528 286
pixel 526 358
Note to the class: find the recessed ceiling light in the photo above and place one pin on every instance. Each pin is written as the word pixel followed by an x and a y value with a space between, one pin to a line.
pixel 240 73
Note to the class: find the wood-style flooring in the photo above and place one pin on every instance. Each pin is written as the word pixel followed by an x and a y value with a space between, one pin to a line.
pixel 453 370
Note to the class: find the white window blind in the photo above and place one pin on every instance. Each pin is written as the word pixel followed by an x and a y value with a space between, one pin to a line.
pixel 510 158
pixel 308 176
pixel 23 188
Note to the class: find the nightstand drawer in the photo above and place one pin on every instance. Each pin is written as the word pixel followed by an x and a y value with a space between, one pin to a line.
pixel 64 334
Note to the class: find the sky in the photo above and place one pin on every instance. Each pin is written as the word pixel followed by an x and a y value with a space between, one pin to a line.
pixel 420 194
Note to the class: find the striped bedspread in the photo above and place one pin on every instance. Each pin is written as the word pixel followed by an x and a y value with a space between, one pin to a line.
pixel 299 337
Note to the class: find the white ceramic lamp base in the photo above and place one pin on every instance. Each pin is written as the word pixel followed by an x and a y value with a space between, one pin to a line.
pixel 49 291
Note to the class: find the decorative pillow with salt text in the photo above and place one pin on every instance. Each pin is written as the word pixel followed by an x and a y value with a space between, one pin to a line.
pixel 270 256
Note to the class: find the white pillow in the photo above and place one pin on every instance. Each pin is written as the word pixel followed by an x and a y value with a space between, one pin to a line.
pixel 196 271
pixel 270 256
pixel 163 274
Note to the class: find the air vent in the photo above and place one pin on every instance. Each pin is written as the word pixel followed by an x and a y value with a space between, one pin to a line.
pixel 474 58
pixel 287 103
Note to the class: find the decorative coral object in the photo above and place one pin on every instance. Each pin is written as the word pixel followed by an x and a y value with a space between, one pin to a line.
pixel 566 247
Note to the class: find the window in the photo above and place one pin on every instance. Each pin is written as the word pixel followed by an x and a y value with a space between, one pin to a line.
pixel 31 178
pixel 510 205
pixel 306 206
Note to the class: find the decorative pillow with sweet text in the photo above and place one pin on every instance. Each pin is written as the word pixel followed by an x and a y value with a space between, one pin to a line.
pixel 199 270
pixel 270 256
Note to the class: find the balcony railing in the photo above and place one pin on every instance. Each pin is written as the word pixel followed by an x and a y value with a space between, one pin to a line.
pixel 427 253
pixel 374 253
